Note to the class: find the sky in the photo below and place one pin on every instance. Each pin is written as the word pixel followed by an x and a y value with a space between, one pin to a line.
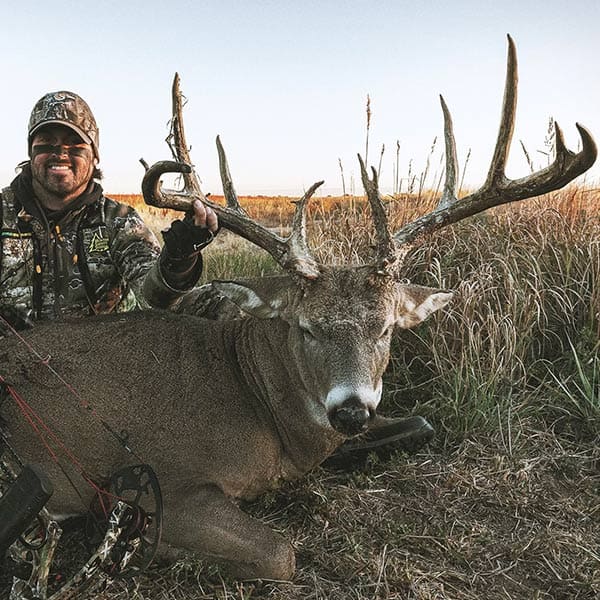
pixel 285 83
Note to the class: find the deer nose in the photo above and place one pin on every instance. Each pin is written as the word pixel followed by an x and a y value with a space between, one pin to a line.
pixel 351 417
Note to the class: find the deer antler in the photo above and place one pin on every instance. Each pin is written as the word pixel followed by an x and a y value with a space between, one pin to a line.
pixel 498 189
pixel 291 253
pixel 387 251
pixel 176 140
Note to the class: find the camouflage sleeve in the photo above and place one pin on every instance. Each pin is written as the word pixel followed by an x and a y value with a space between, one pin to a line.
pixel 162 293
pixel 136 254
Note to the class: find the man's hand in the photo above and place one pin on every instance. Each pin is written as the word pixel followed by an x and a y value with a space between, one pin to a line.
pixel 205 216
pixel 184 239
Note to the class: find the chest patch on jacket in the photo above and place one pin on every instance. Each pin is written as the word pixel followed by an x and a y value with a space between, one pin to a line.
pixel 95 241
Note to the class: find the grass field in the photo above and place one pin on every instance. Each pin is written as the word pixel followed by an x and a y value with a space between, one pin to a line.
pixel 505 502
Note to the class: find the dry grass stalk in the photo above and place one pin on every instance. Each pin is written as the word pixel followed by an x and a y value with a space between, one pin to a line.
pixel 380 160
pixel 464 170
pixel 527 157
pixel 368 128
pixel 397 179
pixel 343 180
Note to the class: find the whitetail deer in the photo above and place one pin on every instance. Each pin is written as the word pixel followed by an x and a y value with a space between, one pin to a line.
pixel 224 410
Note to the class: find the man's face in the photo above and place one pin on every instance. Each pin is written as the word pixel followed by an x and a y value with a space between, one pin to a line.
pixel 62 164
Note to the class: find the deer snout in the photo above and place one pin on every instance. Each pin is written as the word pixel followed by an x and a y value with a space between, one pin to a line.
pixel 351 417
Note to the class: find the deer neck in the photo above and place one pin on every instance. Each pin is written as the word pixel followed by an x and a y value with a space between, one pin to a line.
pixel 271 375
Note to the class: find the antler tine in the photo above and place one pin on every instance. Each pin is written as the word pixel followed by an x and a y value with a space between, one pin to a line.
pixel 228 189
pixel 496 175
pixel 498 189
pixel 449 193
pixel 155 195
pixel 176 140
pixel 387 252
pixel 297 238
pixel 291 253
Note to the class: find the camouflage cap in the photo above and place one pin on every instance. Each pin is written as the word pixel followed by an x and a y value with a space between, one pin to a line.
pixel 65 108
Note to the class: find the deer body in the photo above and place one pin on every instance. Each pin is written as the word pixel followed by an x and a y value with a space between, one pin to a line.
pixel 220 410
pixel 194 410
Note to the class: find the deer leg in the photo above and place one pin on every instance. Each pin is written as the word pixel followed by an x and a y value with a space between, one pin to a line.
pixel 209 523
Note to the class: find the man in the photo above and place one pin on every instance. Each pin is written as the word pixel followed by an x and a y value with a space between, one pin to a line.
pixel 66 249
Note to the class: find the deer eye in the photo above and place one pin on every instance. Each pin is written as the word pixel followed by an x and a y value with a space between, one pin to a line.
pixel 307 334
pixel 387 331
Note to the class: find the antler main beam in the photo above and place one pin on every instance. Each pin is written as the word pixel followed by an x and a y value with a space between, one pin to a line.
pixel 498 189
pixel 287 252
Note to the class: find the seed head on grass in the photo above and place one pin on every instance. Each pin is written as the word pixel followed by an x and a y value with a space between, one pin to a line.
pixel 368 128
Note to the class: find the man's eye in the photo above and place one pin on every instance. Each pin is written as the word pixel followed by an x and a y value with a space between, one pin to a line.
pixel 43 149
pixel 79 150
pixel 76 150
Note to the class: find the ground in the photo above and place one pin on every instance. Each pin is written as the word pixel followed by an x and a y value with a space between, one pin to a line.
pixel 491 518
pixel 505 502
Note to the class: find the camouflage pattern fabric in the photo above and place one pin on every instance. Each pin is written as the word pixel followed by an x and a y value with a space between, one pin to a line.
pixel 207 302
pixel 99 258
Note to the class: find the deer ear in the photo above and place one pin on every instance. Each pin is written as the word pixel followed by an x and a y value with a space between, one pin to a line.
pixel 263 298
pixel 416 303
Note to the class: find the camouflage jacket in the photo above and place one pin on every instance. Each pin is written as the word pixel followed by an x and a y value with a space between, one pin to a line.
pixel 97 258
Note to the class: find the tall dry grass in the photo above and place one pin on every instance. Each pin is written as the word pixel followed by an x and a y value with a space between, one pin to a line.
pixel 504 502
pixel 522 330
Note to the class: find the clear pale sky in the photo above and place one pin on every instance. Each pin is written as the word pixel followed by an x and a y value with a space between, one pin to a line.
pixel 285 83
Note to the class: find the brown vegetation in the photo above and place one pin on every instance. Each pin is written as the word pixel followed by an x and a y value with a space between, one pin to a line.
pixel 505 503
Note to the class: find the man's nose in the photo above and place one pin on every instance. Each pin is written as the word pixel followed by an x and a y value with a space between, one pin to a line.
pixel 59 150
